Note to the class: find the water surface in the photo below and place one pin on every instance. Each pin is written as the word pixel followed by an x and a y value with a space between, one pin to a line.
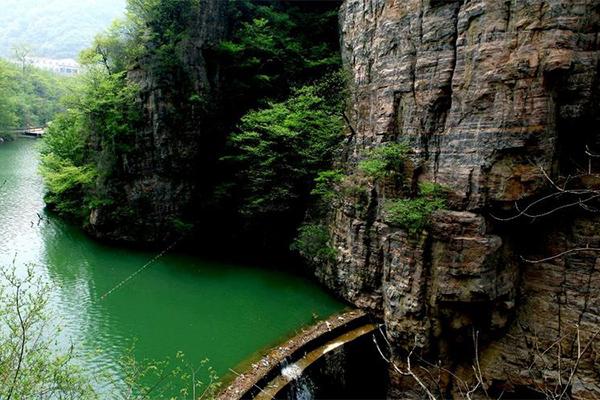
pixel 180 303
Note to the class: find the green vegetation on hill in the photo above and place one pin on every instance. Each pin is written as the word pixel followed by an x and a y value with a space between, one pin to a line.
pixel 54 28
pixel 275 47
pixel 280 106
pixel 29 96
pixel 74 161
pixel 104 116
pixel 277 153
pixel 283 83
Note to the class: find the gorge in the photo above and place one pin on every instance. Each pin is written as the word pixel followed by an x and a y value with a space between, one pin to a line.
pixel 434 163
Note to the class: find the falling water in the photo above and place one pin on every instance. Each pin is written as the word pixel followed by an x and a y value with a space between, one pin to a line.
pixel 291 372
pixel 302 387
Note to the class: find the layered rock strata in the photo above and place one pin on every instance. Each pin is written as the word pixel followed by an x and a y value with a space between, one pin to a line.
pixel 497 100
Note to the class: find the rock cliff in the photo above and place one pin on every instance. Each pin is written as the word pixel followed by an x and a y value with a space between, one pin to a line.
pixel 161 177
pixel 498 101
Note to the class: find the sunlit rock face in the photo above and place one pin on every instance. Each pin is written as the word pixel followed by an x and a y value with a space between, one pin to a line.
pixel 162 177
pixel 491 96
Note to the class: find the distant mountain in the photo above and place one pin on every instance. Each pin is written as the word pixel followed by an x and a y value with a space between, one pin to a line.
pixel 54 28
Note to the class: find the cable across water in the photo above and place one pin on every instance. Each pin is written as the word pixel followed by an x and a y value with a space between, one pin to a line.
pixel 142 268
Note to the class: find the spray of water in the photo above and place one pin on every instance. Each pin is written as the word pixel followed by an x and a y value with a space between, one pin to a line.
pixel 291 372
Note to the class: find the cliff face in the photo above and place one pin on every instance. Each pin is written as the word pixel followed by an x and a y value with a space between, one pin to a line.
pixel 164 171
pixel 498 100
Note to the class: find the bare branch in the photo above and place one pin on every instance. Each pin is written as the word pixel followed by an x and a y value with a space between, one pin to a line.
pixel 580 354
pixel 589 194
pixel 576 250
pixel 477 367
pixel 550 179
pixel 524 213
pixel 22 345
pixel 408 371
pixel 589 153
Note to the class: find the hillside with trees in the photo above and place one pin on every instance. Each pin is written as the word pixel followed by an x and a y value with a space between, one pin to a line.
pixel 30 97
pixel 54 28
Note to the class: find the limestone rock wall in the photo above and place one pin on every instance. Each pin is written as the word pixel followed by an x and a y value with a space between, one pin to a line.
pixel 491 96
pixel 162 177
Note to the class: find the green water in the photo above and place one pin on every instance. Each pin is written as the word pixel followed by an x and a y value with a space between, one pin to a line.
pixel 207 310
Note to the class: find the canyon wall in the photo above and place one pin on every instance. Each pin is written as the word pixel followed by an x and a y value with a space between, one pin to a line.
pixel 499 102
pixel 162 175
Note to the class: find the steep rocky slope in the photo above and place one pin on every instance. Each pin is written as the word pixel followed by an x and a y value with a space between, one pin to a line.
pixel 163 173
pixel 497 100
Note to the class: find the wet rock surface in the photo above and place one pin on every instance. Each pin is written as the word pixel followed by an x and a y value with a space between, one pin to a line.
pixel 495 99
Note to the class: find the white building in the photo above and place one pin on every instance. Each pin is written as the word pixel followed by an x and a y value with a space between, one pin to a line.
pixel 63 66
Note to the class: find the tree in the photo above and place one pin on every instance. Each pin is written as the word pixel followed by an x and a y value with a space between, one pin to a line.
pixel 31 99
pixel 114 49
pixel 30 364
pixel 22 52
pixel 104 111
pixel 275 47
pixel 278 151
pixel 8 118
pixel 33 366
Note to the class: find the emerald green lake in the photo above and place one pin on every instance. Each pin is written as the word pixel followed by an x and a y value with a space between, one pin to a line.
pixel 222 312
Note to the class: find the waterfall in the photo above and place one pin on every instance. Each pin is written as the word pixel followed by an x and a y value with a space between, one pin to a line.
pixel 301 386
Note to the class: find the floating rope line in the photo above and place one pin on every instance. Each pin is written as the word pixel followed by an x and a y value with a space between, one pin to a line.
pixel 149 263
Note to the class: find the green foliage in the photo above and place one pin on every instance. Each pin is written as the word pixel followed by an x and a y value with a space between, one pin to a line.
pixel 275 46
pixel 66 137
pixel 105 110
pixel 153 32
pixel 312 242
pixel 159 31
pixel 414 214
pixel 432 190
pixel 384 161
pixel 279 150
pixel 182 227
pixel 108 102
pixel 34 367
pixel 54 28
pixel 114 49
pixel 66 183
pixel 8 117
pixel 160 379
pixel 63 165
pixel 29 97
pixel 282 78
pixel 325 185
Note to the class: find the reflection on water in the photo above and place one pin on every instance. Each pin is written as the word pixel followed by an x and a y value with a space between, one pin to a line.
pixel 180 303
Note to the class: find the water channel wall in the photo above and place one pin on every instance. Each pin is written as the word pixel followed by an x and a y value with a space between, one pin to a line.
pixel 333 354
pixel 355 370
